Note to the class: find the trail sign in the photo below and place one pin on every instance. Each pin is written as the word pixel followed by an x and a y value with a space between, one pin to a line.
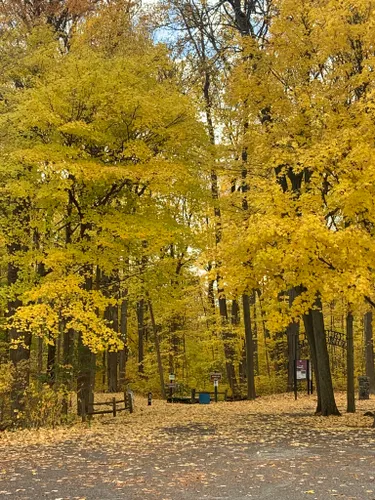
pixel 301 369
pixel 172 376
pixel 215 376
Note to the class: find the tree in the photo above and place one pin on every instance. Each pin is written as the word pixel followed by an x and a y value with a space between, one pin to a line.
pixel 97 128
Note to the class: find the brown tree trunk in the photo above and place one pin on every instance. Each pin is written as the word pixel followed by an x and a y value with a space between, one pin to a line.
pixel 350 396
pixel 112 357
pixel 309 330
pixel 20 342
pixel 327 397
pixel 86 377
pixel 229 350
pixel 369 350
pixel 292 336
pixel 51 362
pixel 86 371
pixel 249 348
pixel 158 351
pixel 141 333
pixel 110 289
pixel 40 356
pixel 123 355
pixel 235 320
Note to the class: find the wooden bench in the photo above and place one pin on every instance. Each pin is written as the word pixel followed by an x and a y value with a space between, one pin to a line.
pixel 213 395
pixel 194 398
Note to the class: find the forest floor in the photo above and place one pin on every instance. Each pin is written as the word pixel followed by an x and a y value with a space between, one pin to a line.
pixel 271 448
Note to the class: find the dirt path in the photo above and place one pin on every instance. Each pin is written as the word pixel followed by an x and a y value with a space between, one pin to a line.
pixel 268 449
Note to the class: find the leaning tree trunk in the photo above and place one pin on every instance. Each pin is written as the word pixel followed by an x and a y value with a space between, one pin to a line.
pixel 350 364
pixel 369 350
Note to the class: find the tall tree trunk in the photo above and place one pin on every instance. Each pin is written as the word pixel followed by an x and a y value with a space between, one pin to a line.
pixel 86 371
pixel 110 290
pixel 229 350
pixel 249 348
pixel 158 352
pixel 235 320
pixel 20 342
pixel 292 336
pixel 327 397
pixel 350 396
pixel 112 357
pixel 40 356
pixel 309 330
pixel 51 362
pixel 265 333
pixel 369 350
pixel 124 352
pixel 255 336
pixel 141 333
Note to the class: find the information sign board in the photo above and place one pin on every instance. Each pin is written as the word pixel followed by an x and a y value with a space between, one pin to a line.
pixel 301 369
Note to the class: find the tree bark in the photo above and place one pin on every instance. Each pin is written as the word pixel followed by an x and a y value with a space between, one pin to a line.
pixel 292 337
pixel 20 342
pixel 350 397
pixel 158 352
pixel 141 333
pixel 228 346
pixel 309 330
pixel 315 332
pixel 124 352
pixel 327 397
pixel 112 357
pixel 86 371
pixel 249 348
pixel 51 362
pixel 369 350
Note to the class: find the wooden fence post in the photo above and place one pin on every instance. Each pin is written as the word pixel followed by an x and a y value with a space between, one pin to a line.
pixel 114 406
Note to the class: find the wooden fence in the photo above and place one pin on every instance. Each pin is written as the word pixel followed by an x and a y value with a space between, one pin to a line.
pixel 128 405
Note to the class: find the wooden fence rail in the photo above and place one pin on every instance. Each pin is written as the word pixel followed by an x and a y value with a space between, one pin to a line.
pixel 128 403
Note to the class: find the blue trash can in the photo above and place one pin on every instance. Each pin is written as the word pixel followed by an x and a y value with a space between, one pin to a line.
pixel 204 398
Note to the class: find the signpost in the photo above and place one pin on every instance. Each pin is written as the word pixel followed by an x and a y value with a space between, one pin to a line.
pixel 301 367
pixel 302 371
pixel 172 384
pixel 215 377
